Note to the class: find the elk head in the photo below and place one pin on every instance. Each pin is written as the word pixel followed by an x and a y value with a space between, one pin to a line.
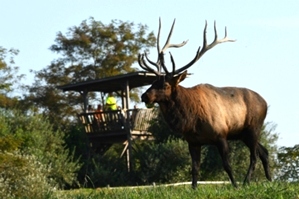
pixel 167 82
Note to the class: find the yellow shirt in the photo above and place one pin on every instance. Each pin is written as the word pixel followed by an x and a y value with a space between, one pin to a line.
pixel 111 103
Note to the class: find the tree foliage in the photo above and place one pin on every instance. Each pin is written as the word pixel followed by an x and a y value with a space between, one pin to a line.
pixel 28 137
pixel 89 51
pixel 164 162
pixel 8 77
pixel 23 176
pixel 288 158
pixel 94 50
pixel 161 163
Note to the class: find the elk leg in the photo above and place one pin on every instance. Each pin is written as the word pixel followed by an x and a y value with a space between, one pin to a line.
pixel 252 145
pixel 263 154
pixel 222 146
pixel 195 152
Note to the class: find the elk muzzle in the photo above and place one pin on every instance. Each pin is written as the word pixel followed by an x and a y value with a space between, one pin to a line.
pixel 144 98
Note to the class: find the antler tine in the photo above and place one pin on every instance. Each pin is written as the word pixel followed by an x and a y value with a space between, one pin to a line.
pixel 173 64
pixel 162 62
pixel 144 66
pixel 216 41
pixel 168 45
pixel 153 63
pixel 168 38
pixel 141 62
pixel 206 47
pixel 158 39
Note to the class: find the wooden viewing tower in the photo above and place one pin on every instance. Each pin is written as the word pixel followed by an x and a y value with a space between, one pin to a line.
pixel 105 128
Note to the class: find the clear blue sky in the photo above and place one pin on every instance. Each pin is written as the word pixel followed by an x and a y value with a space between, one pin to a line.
pixel 265 57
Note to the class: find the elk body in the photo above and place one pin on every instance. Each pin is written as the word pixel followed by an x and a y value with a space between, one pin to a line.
pixel 205 114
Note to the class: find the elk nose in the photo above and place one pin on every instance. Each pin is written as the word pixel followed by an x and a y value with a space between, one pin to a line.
pixel 144 98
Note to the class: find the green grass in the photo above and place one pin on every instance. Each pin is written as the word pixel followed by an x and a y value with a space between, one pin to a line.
pixel 255 190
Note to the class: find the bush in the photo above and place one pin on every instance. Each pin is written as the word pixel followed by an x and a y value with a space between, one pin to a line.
pixel 23 176
pixel 164 162
pixel 30 138
pixel 288 158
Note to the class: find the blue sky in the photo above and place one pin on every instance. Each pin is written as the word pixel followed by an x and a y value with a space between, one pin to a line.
pixel 264 58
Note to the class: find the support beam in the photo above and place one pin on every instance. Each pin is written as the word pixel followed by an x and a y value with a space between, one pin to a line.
pixel 128 129
pixel 85 100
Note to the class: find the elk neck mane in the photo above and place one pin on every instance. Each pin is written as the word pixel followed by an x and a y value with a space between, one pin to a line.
pixel 182 109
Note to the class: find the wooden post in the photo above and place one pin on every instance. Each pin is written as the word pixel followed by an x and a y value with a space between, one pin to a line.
pixel 128 129
pixel 123 100
pixel 85 100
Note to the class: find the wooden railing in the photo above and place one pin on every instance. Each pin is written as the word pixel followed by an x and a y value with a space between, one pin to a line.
pixel 97 122
pixel 116 121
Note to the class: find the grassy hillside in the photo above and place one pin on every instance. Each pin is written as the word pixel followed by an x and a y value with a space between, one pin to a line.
pixel 255 190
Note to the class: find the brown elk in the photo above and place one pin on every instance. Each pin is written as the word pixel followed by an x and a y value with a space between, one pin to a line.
pixel 206 114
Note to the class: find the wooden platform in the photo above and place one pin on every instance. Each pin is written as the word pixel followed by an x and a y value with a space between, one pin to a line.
pixel 110 127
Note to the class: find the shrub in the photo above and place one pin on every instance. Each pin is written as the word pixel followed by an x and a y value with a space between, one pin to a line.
pixel 23 176
pixel 106 169
pixel 164 162
pixel 32 136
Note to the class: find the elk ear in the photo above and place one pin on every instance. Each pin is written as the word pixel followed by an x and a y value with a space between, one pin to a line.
pixel 177 79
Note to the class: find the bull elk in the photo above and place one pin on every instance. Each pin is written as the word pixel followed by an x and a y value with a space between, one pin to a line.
pixel 206 114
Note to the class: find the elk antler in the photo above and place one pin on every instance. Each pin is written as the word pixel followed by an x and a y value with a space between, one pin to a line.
pixel 160 62
pixel 167 45
pixel 144 66
pixel 205 47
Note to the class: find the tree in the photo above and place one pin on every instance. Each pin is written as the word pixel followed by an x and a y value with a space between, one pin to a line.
pixel 94 50
pixel 26 137
pixel 288 158
pixel 89 51
pixel 8 77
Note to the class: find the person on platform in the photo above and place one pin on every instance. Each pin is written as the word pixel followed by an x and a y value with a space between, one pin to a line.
pixel 111 102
